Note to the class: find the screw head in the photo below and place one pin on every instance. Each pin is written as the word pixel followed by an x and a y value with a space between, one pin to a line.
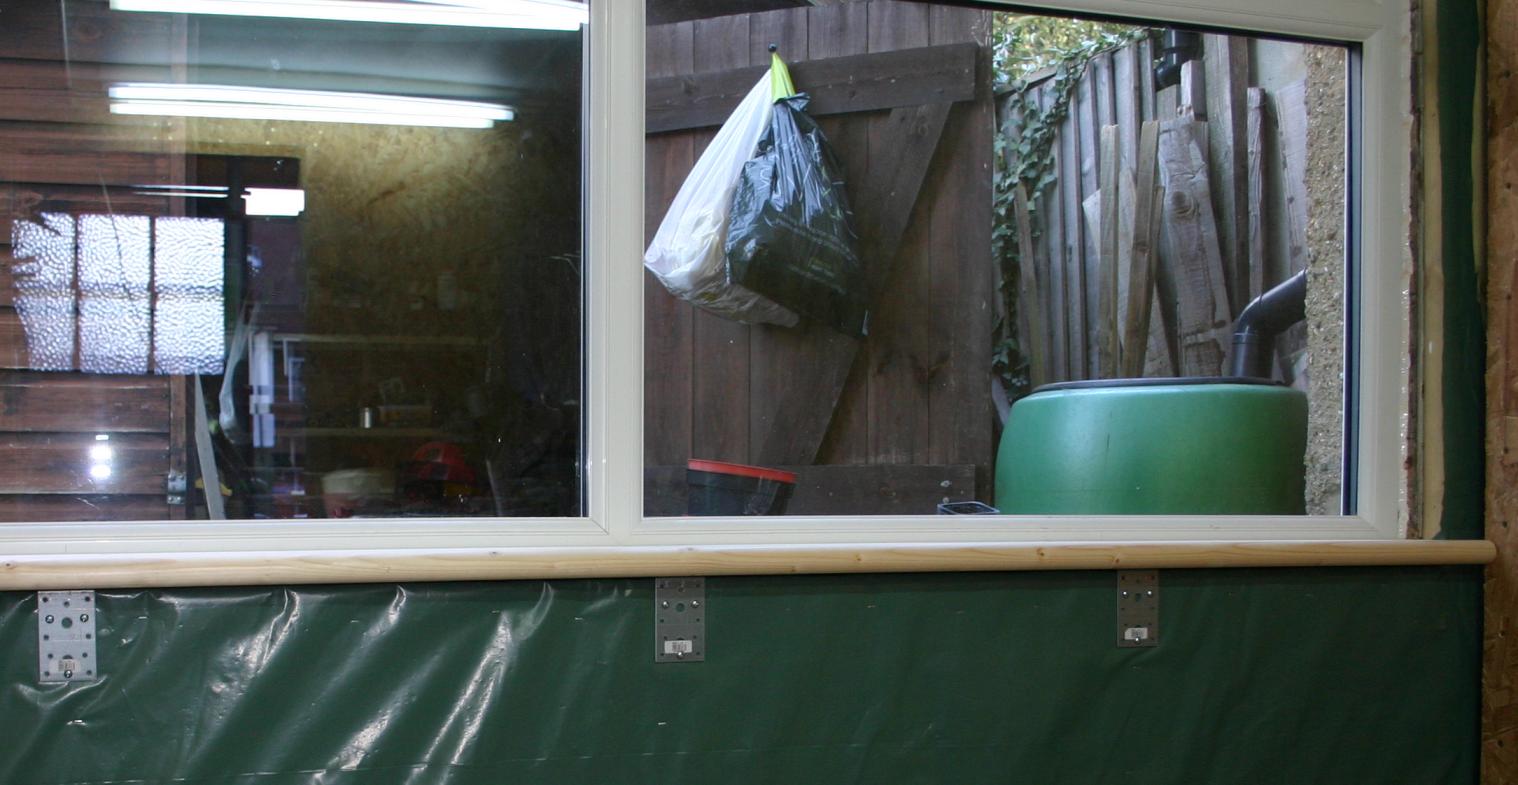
pixel 84 617
pixel 695 603
pixel 48 618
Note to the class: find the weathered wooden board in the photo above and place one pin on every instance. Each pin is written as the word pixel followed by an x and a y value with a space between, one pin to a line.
pixel 13 352
pixel 1141 339
pixel 903 355
pixel 836 85
pixel 93 34
pixel 1087 128
pixel 962 270
pixel 1499 694
pixel 1107 263
pixel 832 31
pixel 667 320
pixel 1256 194
pixel 36 463
pixel 883 489
pixel 74 154
pixel 720 412
pixel 1291 124
pixel 83 403
pixel 1069 161
pixel 1202 304
pixel 1226 61
pixel 776 353
pixel 1030 306
pixel 26 508
pixel 1053 262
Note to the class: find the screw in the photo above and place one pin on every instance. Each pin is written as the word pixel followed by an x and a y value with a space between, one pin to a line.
pixel 48 618
pixel 664 604
pixel 84 617
pixel 1125 594
pixel 695 603
pixel 679 655
pixel 68 674
pixel 1149 594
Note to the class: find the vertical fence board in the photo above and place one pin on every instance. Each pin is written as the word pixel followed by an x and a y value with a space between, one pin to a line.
pixel 835 31
pixel 962 279
pixel 900 350
pixel 1226 60
pixel 1050 210
pixel 720 410
pixel 775 353
pixel 1074 242
pixel 1086 125
pixel 1203 308
pixel 667 320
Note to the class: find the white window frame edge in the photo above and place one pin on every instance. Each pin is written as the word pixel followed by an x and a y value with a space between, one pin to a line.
pixel 613 357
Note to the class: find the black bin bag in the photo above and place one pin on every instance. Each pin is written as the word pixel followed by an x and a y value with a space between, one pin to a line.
pixel 790 233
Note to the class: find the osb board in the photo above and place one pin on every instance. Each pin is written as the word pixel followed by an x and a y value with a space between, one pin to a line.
pixel 1499 697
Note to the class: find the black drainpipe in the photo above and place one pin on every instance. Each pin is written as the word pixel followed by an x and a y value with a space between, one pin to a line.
pixel 1262 320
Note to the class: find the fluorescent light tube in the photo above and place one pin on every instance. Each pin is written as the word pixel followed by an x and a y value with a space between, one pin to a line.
pixel 522 14
pixel 282 202
pixel 259 103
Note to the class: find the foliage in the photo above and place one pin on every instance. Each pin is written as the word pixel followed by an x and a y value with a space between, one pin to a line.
pixel 1023 46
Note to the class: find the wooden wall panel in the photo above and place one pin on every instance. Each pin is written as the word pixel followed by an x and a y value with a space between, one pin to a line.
pixel 1499 697
pixel 36 30
pixel 82 403
pixel 38 463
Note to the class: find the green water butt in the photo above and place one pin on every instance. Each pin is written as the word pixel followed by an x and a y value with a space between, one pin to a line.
pixel 1155 447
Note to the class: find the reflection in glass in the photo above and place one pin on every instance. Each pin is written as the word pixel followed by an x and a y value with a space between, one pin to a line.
pixel 265 262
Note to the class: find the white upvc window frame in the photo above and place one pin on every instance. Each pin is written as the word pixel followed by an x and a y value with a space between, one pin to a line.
pixel 615 526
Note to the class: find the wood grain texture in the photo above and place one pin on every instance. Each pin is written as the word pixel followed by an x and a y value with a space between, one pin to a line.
pixel 1226 61
pixel 902 355
pixel 776 353
pixel 836 85
pixel 1203 310
pixel 1052 262
pixel 882 489
pixel 42 508
pixel 1255 201
pixel 1499 695
pixel 1107 261
pixel 720 394
pixel 1068 160
pixel 83 403
pixel 44 572
pixel 832 31
pixel 667 320
pixel 32 463
pixel 1143 336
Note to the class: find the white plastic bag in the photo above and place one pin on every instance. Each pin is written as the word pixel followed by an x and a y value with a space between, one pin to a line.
pixel 687 252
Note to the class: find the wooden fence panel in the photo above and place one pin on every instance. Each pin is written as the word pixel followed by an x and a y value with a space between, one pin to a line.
pixel 919 391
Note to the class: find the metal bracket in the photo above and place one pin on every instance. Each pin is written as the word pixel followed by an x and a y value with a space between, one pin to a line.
pixel 679 619
pixel 175 487
pixel 66 636
pixel 1138 608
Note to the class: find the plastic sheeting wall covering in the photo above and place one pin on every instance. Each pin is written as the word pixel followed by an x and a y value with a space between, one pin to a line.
pixel 1283 676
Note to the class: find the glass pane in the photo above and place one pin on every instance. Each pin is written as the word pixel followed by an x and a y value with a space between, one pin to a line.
pixel 857 300
pixel 290 262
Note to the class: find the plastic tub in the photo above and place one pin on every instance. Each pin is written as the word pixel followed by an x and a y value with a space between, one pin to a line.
pixel 718 488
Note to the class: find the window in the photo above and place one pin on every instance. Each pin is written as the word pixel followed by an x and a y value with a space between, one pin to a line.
pixel 454 329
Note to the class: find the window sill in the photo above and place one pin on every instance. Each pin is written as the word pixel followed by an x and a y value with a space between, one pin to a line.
pixel 43 572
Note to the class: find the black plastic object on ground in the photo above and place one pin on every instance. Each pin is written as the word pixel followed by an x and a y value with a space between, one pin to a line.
pixel 718 488
pixel 790 234
pixel 967 508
